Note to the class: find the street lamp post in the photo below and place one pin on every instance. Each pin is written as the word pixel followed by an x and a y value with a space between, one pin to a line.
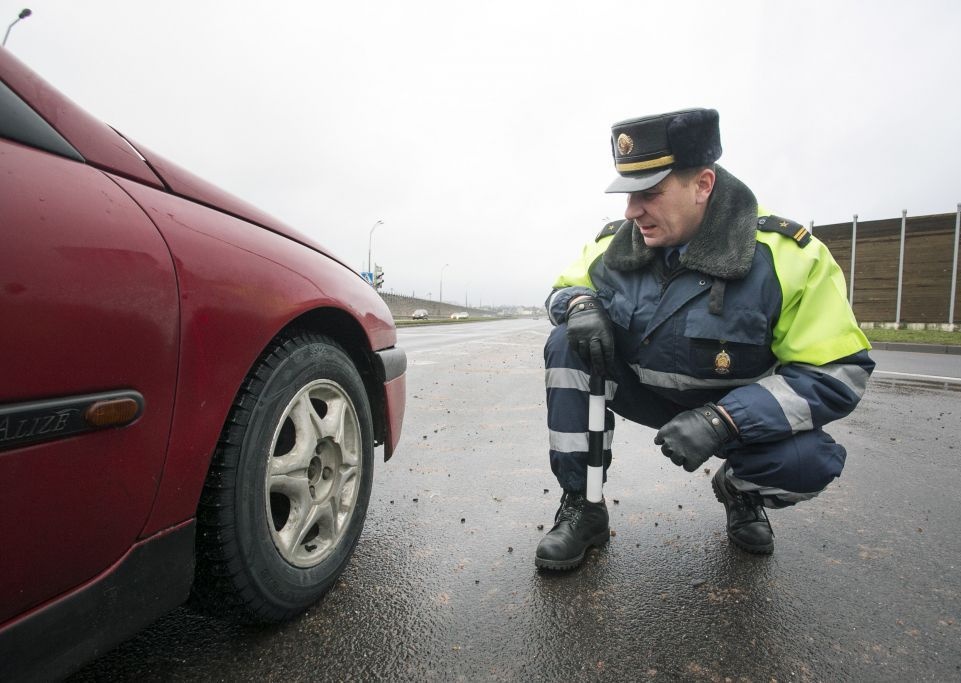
pixel 24 13
pixel 370 241
pixel 440 297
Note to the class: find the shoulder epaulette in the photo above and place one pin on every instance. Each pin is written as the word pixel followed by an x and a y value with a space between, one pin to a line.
pixel 609 229
pixel 788 228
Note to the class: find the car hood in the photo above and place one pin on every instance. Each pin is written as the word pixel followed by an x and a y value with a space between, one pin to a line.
pixel 182 182
pixel 106 148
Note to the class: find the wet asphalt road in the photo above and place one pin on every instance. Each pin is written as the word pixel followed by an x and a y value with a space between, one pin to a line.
pixel 865 582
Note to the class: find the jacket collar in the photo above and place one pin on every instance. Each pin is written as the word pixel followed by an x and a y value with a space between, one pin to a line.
pixel 723 246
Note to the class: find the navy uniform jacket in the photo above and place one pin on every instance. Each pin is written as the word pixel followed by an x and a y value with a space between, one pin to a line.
pixel 756 319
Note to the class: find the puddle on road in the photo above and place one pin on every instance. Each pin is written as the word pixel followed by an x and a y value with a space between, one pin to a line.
pixel 907 385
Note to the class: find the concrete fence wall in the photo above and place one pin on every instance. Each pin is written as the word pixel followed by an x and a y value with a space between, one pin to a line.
pixel 904 269
pixel 402 307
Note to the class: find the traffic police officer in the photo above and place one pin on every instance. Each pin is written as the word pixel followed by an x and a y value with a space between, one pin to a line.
pixel 725 328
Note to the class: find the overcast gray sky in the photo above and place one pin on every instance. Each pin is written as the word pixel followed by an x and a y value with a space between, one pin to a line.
pixel 479 131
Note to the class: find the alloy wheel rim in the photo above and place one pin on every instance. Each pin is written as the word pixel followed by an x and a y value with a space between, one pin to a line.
pixel 313 473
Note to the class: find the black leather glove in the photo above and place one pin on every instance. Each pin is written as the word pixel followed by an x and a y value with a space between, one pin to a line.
pixel 694 436
pixel 590 333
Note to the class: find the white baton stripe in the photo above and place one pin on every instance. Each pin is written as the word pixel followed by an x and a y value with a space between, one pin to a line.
pixel 595 484
pixel 595 415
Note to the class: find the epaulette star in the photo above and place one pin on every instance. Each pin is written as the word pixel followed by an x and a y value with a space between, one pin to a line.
pixel 783 226
pixel 609 229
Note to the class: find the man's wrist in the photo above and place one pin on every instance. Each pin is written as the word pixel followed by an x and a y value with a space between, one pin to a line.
pixel 726 416
pixel 578 299
pixel 586 303
pixel 580 302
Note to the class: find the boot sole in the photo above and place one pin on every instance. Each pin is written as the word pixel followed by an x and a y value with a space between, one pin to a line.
pixel 574 562
pixel 753 549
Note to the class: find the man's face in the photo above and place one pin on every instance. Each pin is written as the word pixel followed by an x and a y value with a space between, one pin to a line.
pixel 670 213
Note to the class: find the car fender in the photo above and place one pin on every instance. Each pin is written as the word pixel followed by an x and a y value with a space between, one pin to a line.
pixel 239 285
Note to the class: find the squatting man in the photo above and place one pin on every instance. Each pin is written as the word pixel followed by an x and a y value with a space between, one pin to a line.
pixel 722 326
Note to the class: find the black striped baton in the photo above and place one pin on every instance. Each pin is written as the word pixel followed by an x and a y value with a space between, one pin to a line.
pixel 595 438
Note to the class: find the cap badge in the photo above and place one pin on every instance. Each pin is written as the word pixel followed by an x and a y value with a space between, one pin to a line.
pixel 722 362
pixel 624 144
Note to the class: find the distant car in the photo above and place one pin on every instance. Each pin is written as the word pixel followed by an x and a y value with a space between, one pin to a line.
pixel 419 314
pixel 462 315
pixel 190 398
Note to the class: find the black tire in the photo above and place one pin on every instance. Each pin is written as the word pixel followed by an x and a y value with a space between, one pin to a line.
pixel 260 560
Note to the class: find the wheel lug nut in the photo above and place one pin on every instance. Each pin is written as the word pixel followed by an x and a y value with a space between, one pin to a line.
pixel 327 473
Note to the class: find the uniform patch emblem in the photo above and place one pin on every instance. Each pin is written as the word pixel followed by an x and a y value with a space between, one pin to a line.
pixel 625 145
pixel 722 362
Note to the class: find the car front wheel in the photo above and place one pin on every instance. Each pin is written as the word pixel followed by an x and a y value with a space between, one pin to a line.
pixel 288 488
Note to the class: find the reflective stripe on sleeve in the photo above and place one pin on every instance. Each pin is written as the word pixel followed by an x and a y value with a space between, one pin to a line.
pixel 852 376
pixel 796 409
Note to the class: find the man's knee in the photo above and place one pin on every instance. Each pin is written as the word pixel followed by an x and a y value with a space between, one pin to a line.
pixel 805 463
pixel 557 350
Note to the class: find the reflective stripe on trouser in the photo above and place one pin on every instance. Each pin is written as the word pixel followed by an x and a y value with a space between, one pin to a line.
pixel 771 496
pixel 567 382
pixel 788 471
pixel 782 472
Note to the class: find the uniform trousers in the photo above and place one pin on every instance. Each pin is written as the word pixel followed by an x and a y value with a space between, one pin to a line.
pixel 782 473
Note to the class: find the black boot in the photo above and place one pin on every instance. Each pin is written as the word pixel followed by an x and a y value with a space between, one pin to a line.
pixel 747 523
pixel 578 525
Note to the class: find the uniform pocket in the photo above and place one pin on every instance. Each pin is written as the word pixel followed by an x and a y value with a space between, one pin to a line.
pixel 735 345
pixel 618 307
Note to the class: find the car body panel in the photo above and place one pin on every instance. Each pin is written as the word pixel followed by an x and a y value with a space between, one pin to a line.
pixel 88 294
pixel 154 577
pixel 113 279
pixel 99 144
pixel 234 299
pixel 182 182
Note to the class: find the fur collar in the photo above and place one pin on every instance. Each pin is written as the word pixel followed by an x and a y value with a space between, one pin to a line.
pixel 723 247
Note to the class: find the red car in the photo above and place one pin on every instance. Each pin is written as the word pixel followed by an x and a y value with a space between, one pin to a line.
pixel 190 394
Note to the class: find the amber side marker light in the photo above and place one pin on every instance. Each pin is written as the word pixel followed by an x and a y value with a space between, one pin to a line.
pixel 112 413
